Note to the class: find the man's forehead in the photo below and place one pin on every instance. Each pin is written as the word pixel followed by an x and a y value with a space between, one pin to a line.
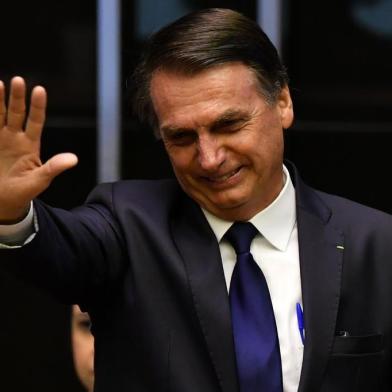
pixel 220 82
pixel 184 101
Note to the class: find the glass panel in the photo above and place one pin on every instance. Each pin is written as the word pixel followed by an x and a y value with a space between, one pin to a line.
pixel 339 56
pixel 52 43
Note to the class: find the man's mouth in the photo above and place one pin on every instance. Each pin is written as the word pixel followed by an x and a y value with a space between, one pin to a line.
pixel 222 178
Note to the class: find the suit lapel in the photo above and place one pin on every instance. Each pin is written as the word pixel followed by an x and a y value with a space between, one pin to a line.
pixel 200 252
pixel 321 260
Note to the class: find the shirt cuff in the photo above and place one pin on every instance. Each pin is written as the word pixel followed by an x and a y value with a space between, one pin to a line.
pixel 21 233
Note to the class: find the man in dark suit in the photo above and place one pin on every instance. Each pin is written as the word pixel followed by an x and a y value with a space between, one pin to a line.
pixel 153 261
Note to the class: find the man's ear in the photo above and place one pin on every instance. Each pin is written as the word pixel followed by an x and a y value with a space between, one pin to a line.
pixel 285 106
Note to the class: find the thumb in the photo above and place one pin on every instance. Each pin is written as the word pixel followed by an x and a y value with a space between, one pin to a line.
pixel 59 163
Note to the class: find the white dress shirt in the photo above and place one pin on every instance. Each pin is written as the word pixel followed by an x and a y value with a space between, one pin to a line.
pixel 275 251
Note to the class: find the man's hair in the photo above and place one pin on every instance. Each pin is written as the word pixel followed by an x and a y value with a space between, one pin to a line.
pixel 201 40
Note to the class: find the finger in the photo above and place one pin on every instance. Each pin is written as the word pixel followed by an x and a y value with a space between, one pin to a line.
pixel 17 106
pixel 57 164
pixel 36 118
pixel 2 105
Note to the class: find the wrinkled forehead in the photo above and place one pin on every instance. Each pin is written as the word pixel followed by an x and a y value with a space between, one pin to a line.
pixel 164 79
pixel 177 95
pixel 167 83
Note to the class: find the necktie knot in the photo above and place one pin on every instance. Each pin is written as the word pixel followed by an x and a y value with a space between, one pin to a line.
pixel 241 235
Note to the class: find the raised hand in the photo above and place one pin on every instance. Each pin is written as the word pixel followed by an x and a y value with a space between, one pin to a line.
pixel 22 174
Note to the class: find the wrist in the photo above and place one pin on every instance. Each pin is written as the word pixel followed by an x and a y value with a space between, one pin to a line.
pixel 11 217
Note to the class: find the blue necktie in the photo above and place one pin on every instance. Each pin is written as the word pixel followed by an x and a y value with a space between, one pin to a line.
pixel 255 337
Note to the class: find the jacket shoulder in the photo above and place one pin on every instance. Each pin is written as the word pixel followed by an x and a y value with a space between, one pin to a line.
pixel 348 211
pixel 151 197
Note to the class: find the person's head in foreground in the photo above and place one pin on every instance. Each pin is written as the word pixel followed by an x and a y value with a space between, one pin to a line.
pixel 82 347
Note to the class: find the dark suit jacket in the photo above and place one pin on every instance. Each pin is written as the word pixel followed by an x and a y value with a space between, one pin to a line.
pixel 142 260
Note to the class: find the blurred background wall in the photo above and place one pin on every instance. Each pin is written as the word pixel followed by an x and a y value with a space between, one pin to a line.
pixel 338 54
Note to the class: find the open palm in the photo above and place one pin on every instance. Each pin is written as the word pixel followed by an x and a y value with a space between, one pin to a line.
pixel 22 174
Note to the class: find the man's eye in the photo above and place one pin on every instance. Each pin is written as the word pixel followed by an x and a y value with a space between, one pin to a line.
pixel 231 126
pixel 182 138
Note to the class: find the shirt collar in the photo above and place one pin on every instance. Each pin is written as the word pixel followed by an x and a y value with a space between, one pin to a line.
pixel 275 222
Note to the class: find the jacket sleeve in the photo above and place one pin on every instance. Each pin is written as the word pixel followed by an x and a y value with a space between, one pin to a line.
pixel 76 255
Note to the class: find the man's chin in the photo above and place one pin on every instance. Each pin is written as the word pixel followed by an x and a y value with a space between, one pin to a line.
pixel 224 207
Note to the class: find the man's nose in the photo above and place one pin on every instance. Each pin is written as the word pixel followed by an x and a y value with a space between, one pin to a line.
pixel 211 153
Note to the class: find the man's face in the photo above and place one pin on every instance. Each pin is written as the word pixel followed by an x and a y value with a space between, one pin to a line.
pixel 224 140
